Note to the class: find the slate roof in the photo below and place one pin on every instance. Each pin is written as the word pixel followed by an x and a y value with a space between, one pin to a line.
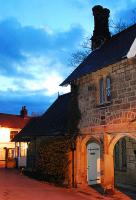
pixel 53 122
pixel 13 121
pixel 110 52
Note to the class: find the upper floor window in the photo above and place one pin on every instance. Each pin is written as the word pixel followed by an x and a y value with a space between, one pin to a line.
pixel 108 88
pixel 12 134
pixel 104 90
pixel 102 96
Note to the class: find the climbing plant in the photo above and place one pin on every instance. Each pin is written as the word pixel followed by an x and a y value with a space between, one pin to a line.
pixel 53 160
pixel 74 111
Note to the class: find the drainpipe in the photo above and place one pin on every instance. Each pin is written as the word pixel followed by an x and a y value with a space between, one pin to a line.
pixel 73 148
pixel 73 171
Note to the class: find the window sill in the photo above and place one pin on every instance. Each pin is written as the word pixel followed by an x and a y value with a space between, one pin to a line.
pixel 105 104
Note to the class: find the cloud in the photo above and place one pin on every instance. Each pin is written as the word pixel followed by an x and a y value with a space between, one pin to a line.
pixel 46 75
pixel 18 41
pixel 33 62
pixel 129 12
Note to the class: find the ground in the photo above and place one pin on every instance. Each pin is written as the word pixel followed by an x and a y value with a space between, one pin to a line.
pixel 15 186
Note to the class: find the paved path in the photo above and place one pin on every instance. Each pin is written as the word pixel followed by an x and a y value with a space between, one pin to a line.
pixel 14 186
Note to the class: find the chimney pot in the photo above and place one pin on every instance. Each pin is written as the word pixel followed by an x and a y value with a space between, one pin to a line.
pixel 23 112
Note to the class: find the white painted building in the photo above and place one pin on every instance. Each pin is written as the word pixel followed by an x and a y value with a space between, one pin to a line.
pixel 12 154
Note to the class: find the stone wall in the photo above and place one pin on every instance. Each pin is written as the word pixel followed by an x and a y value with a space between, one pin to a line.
pixel 122 107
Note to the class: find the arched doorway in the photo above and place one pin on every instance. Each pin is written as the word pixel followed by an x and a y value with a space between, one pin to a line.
pixel 125 162
pixel 93 163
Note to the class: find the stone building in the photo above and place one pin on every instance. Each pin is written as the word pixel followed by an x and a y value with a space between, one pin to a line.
pixel 105 144
pixel 107 101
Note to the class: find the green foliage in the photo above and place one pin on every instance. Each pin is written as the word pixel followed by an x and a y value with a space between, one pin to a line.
pixel 75 114
pixel 53 160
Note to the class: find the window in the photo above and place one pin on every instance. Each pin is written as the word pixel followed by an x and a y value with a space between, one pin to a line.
pixel 23 149
pixel 102 96
pixel 4 134
pixel 11 153
pixel 12 134
pixel 105 90
pixel 108 89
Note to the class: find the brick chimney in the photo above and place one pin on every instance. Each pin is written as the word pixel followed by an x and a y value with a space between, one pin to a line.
pixel 101 26
pixel 23 112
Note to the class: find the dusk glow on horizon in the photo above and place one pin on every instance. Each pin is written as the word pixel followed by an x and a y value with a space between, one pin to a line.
pixel 37 40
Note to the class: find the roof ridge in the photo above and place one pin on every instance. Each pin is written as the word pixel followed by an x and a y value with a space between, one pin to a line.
pixel 55 101
pixel 62 95
pixel 14 115
pixel 9 114
pixel 111 51
pixel 126 29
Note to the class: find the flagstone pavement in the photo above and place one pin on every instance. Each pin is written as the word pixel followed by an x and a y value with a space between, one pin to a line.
pixel 14 186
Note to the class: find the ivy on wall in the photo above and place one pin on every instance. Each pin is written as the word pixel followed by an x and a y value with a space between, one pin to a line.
pixel 53 160
pixel 74 111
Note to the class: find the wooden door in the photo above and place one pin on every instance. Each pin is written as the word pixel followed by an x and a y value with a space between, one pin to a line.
pixel 93 163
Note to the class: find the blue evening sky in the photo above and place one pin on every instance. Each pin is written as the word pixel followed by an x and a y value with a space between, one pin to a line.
pixel 37 38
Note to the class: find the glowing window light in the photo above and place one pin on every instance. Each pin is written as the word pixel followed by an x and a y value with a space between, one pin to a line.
pixel 24 147
pixel 4 134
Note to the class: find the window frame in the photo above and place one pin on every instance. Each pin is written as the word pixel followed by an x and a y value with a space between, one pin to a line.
pixel 13 134
pixel 108 89
pixel 104 90
pixel 101 91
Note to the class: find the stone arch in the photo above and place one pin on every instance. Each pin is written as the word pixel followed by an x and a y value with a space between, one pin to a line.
pixel 89 139
pixel 115 174
pixel 109 159
pixel 82 157
pixel 116 138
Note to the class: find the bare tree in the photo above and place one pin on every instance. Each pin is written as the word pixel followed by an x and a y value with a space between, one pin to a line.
pixel 79 56
pixel 121 25
pixel 116 27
